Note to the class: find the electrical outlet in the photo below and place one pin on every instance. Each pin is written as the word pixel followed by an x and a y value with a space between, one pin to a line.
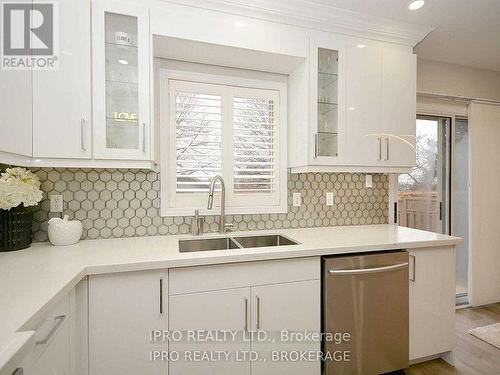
pixel 297 199
pixel 368 181
pixel 329 199
pixel 56 203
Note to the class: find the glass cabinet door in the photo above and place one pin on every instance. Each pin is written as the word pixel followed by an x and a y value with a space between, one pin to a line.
pixel 326 142
pixel 121 80
pixel 122 94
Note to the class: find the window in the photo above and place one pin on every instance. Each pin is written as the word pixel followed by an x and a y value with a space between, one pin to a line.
pixel 233 127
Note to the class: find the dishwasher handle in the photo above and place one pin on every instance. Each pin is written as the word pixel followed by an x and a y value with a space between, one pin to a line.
pixel 364 271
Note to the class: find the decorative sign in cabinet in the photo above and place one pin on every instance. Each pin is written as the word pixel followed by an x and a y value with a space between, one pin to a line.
pixel 121 81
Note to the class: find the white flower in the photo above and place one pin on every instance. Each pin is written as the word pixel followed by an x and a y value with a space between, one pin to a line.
pixel 19 186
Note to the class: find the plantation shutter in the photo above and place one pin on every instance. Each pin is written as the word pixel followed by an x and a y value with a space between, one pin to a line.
pixel 254 145
pixel 228 130
pixel 198 119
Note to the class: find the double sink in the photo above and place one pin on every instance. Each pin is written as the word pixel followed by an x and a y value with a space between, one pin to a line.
pixel 227 243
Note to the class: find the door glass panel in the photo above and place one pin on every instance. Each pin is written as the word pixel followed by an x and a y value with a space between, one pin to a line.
pixel 422 192
pixel 122 97
pixel 327 106
pixel 461 202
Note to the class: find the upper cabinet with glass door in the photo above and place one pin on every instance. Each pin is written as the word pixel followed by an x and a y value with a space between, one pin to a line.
pixel 121 81
pixel 326 108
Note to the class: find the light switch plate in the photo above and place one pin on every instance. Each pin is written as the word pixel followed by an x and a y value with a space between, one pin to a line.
pixel 297 199
pixel 329 199
pixel 56 203
pixel 368 181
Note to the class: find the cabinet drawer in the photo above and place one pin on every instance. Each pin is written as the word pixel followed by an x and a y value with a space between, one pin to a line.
pixel 49 328
pixel 239 275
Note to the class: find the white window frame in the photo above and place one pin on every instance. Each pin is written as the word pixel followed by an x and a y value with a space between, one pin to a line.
pixel 234 203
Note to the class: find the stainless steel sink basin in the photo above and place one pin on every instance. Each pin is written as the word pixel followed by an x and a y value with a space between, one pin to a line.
pixel 266 240
pixel 207 244
pixel 227 243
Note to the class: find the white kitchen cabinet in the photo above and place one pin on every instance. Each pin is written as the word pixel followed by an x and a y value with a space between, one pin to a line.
pixel 363 68
pixel 123 310
pixel 51 354
pixel 16 131
pixel 55 360
pixel 121 80
pixel 361 107
pixel 220 310
pixel 62 97
pixel 398 109
pixel 432 301
pixel 288 307
pixel 270 296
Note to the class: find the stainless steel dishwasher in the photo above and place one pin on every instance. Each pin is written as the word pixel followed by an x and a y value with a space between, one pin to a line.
pixel 365 298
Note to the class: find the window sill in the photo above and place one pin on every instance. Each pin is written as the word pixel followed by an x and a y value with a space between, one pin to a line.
pixel 168 212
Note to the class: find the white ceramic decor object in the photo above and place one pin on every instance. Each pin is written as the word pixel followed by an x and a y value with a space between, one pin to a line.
pixel 64 232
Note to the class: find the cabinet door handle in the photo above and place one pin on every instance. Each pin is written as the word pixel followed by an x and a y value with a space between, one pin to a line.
pixel 413 277
pixel 257 326
pixel 58 321
pixel 161 296
pixel 316 145
pixel 245 314
pixel 379 139
pixel 143 138
pixel 82 134
pixel 386 148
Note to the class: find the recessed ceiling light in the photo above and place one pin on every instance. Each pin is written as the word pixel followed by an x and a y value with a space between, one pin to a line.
pixel 123 62
pixel 361 46
pixel 417 4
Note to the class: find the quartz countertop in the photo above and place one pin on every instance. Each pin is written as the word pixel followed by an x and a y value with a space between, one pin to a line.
pixel 33 280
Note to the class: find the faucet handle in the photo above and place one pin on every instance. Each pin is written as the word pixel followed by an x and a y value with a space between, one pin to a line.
pixel 197 224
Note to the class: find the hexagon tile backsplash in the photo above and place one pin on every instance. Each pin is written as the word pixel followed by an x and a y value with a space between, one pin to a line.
pixel 126 203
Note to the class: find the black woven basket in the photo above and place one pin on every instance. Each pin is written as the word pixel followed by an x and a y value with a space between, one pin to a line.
pixel 15 229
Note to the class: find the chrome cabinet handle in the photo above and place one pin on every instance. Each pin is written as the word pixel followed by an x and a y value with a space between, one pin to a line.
pixel 143 138
pixel 245 314
pixel 316 145
pixel 257 326
pixel 386 148
pixel 82 135
pixel 379 139
pixel 59 320
pixel 413 277
pixel 361 271
pixel 161 296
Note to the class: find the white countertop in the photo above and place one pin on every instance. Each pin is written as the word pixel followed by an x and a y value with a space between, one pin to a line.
pixel 33 280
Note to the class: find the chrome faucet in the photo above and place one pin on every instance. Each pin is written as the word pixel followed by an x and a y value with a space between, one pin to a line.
pixel 222 221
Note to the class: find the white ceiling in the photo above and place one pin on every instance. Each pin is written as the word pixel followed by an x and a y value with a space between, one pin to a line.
pixel 466 32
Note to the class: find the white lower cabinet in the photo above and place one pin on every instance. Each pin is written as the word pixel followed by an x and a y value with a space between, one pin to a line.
pixel 288 308
pixel 55 360
pixel 123 310
pixel 52 352
pixel 220 310
pixel 432 301
pixel 285 301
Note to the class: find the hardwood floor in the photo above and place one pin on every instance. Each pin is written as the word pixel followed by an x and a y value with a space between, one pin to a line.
pixel 472 356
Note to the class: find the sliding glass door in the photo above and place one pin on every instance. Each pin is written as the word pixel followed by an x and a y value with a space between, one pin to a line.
pixel 460 203
pixel 434 195
pixel 422 193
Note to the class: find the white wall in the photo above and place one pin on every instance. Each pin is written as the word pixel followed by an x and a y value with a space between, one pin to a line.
pixel 457 80
pixel 484 135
